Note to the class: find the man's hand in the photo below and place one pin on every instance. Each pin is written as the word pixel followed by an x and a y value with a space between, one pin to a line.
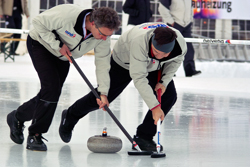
pixel 157 114
pixel 160 86
pixel 66 52
pixel 103 102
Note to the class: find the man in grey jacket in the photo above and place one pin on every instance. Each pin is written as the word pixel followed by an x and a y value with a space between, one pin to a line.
pixel 179 14
pixel 60 32
pixel 138 55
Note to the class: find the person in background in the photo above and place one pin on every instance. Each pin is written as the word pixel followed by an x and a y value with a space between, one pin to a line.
pixel 138 10
pixel 11 11
pixel 138 55
pixel 179 14
pixel 62 31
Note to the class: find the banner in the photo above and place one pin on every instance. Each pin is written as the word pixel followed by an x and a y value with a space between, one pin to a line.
pixel 221 9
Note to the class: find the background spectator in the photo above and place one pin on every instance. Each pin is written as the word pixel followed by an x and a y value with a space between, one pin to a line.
pixel 180 16
pixel 12 11
pixel 138 10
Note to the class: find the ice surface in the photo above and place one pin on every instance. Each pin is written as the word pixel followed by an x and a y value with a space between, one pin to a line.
pixel 208 126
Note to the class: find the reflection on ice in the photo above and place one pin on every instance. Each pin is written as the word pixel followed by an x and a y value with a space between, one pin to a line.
pixel 208 126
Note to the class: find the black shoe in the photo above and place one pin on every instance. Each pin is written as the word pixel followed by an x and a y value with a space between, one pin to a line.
pixel 145 145
pixel 16 128
pixel 194 73
pixel 35 143
pixel 14 53
pixel 66 127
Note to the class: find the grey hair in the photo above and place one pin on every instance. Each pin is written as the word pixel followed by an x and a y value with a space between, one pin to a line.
pixel 105 17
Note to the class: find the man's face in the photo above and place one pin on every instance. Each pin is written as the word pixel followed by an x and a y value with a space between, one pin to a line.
pixel 101 33
pixel 159 54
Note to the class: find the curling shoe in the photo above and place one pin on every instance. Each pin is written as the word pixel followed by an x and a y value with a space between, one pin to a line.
pixel 16 128
pixel 35 143
pixel 66 127
pixel 145 145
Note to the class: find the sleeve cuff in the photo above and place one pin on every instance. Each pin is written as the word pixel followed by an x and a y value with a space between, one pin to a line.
pixel 155 107
pixel 104 93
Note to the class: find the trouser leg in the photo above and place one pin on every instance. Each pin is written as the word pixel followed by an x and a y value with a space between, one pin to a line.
pixel 15 22
pixel 189 64
pixel 119 79
pixel 42 117
pixel 147 129
pixel 27 107
pixel 52 73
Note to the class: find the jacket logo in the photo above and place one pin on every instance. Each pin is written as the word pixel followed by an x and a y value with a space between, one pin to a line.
pixel 70 34
pixel 153 61
pixel 150 26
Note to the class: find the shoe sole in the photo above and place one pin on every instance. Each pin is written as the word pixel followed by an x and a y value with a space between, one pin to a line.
pixel 9 122
pixel 66 141
pixel 35 148
pixel 196 74
pixel 147 149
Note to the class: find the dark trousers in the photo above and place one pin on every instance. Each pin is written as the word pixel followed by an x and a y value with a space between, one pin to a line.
pixel 188 64
pixel 119 79
pixel 52 73
pixel 15 22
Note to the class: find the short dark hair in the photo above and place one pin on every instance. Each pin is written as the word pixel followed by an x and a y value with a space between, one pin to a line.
pixel 164 35
pixel 105 17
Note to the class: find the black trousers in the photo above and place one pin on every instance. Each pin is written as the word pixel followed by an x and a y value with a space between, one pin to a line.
pixel 15 22
pixel 120 78
pixel 52 73
pixel 188 64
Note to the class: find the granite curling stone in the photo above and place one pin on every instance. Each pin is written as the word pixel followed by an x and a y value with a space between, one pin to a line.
pixel 104 143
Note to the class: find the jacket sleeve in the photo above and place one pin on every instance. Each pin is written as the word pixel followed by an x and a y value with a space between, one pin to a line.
pixel 164 10
pixel 45 23
pixel 138 72
pixel 102 63
pixel 192 14
pixel 26 10
pixel 169 69
pixel 1 7
pixel 128 8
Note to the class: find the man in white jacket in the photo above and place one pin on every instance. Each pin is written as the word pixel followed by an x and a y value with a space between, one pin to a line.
pixel 62 31
pixel 138 55
pixel 179 14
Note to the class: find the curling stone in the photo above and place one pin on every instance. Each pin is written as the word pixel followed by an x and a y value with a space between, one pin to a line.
pixel 104 143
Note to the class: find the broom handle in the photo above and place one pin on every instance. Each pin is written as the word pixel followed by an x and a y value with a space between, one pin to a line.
pixel 158 145
pixel 97 96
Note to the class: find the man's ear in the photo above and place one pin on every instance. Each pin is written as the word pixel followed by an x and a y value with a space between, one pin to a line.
pixel 92 23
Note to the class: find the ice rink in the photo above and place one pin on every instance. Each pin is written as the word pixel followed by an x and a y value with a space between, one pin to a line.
pixel 209 126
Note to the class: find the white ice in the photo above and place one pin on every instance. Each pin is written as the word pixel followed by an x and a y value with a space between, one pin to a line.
pixel 208 126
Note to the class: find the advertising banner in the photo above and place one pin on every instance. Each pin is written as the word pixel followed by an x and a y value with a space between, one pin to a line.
pixel 221 9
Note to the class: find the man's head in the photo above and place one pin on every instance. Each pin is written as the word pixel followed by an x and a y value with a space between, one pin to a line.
pixel 163 42
pixel 105 21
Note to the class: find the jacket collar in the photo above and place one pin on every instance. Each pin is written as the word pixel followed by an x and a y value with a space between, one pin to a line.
pixel 79 22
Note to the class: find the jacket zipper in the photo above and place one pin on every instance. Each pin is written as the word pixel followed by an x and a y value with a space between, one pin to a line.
pixel 77 45
pixel 159 65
